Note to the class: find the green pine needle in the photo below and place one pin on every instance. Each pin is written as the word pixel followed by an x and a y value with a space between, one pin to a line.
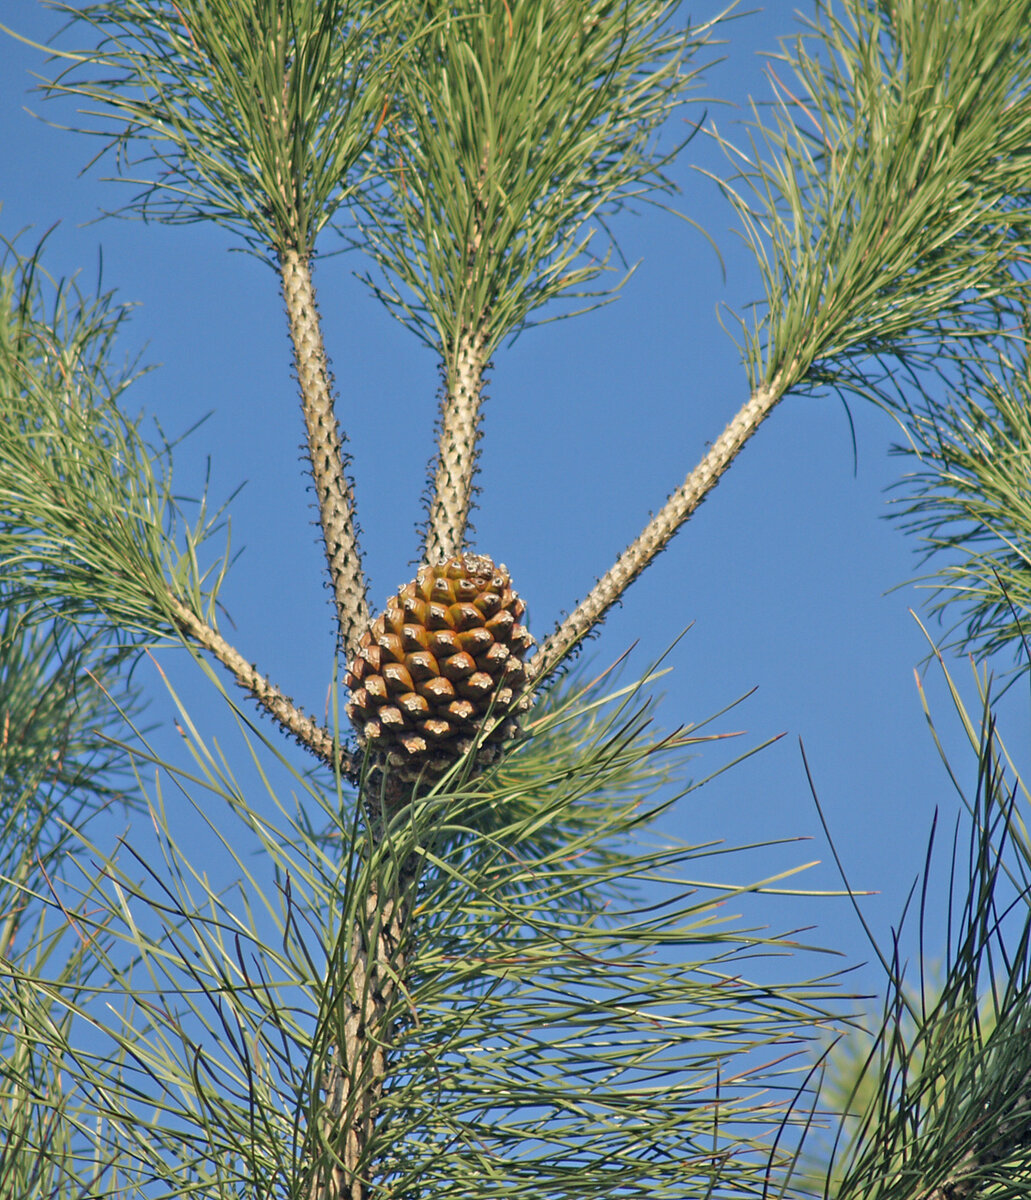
pixel 885 192
pixel 92 523
pixel 552 1036
pixel 513 131
pixel 252 113
pixel 935 1101
pixel 967 499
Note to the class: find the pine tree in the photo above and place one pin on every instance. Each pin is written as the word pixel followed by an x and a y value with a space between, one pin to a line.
pixel 434 972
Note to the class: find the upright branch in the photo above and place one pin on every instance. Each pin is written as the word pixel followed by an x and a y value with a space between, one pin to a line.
pixel 658 532
pixel 459 426
pixel 514 130
pixel 254 116
pixel 455 466
pixel 326 451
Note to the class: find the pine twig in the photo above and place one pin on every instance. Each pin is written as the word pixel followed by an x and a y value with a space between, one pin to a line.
pixel 456 453
pixel 658 532
pixel 314 737
pixel 326 451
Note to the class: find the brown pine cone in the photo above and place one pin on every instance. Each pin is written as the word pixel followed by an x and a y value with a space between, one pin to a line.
pixel 441 665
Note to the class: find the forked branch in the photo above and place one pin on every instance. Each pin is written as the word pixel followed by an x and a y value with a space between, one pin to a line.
pixel 326 451
pixel 658 531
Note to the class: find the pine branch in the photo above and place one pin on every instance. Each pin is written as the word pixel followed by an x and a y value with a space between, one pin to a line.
pixel 856 263
pixel 291 719
pixel 325 450
pixel 885 190
pixel 457 451
pixel 92 531
pixel 358 1063
pixel 248 114
pixel 658 532
pixel 513 132
pixel 253 116
pixel 459 431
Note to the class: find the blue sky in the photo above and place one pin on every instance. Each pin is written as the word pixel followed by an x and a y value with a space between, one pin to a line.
pixel 785 574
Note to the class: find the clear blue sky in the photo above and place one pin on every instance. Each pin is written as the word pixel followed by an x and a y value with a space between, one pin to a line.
pixel 785 571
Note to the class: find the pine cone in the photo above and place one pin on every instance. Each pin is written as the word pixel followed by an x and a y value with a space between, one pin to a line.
pixel 440 666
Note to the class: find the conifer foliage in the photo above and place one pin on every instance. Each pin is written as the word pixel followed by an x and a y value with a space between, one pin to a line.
pixel 456 958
